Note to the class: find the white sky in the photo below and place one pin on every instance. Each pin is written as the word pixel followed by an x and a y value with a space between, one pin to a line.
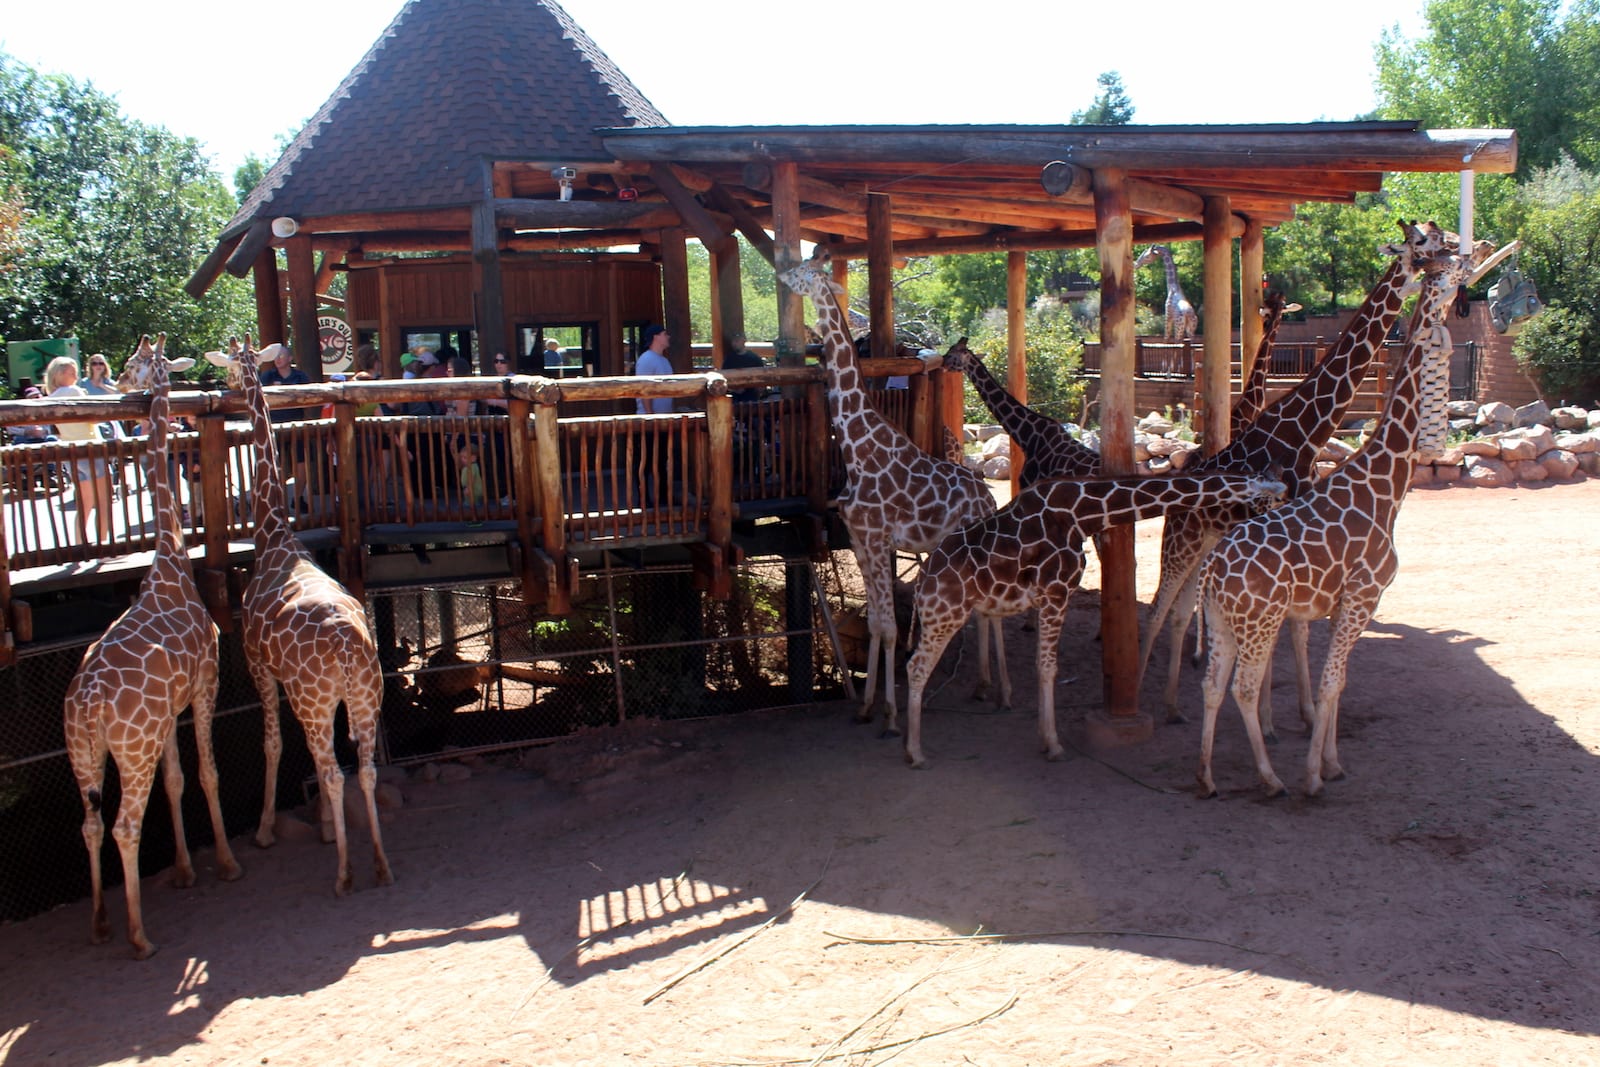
pixel 237 75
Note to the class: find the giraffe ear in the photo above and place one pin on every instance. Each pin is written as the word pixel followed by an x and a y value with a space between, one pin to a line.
pixel 179 365
pixel 218 359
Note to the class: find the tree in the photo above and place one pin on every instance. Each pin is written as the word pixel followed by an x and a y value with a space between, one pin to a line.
pixel 1501 63
pixel 116 216
pixel 1327 255
pixel 1112 106
pixel 1558 218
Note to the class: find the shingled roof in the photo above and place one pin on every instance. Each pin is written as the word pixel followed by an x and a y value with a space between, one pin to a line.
pixel 450 87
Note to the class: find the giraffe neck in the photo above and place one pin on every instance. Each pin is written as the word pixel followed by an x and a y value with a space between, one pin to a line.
pixel 1027 427
pixel 1253 394
pixel 1172 271
pixel 169 524
pixel 1106 502
pixel 271 507
pixel 844 377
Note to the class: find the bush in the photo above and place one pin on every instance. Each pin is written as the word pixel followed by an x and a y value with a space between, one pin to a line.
pixel 1055 357
pixel 1557 350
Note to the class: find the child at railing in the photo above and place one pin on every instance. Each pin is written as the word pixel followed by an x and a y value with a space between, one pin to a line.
pixel 470 475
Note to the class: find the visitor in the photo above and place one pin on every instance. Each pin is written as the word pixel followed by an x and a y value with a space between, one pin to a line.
pixel 653 361
pixel 282 371
pixel 553 356
pixel 93 473
pixel 741 358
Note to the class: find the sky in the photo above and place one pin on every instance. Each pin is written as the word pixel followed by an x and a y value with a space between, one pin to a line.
pixel 239 76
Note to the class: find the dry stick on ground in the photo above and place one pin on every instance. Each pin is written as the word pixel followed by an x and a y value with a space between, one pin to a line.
pixel 881 1008
pixel 773 919
pixel 958 938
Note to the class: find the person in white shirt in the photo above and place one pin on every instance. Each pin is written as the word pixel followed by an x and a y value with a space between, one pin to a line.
pixel 653 361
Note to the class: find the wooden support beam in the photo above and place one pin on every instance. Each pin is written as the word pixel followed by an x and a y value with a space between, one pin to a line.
pixel 1017 346
pixel 719 476
pixel 693 213
pixel 880 274
pixel 1119 721
pixel 1252 262
pixel 744 219
pixel 675 299
pixel 570 214
pixel 210 268
pixel 786 254
pixel 1217 326
pixel 488 290
pixel 1032 241
pixel 526 494
pixel 247 253
pixel 303 306
pixel 727 297
pixel 269 299
pixel 352 551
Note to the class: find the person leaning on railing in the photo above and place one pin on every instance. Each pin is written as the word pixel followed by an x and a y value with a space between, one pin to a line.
pixel 93 473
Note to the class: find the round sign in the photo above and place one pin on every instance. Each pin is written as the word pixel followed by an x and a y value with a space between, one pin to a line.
pixel 338 344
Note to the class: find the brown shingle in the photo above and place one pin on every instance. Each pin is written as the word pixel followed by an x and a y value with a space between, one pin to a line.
pixel 449 87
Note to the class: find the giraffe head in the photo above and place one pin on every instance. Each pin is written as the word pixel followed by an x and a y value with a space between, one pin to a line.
pixel 239 360
pixel 813 277
pixel 959 357
pixel 1262 492
pixel 149 368
pixel 1151 253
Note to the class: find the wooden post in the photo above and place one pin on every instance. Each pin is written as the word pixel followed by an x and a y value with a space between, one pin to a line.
pixel 1119 721
pixel 817 448
pixel 216 513
pixel 352 546
pixel 727 297
pixel 719 476
pixel 675 298
pixel 880 273
pixel 923 422
pixel 303 305
pixel 488 292
pixel 8 641
pixel 552 506
pixel 786 254
pixel 1252 262
pixel 1218 326
pixel 269 299
pixel 525 494
pixel 1017 346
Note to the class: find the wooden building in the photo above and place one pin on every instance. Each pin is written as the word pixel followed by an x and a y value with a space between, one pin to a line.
pixel 529 144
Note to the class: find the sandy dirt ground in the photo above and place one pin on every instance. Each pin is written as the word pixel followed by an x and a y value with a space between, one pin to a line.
pixel 782 889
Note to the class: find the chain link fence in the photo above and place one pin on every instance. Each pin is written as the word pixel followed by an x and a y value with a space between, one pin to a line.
pixel 466 669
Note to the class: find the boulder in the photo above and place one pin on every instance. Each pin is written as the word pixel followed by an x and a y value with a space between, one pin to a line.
pixel 1182 457
pixel 1141 447
pixel 1529 471
pixel 1447 473
pixel 1487 471
pixel 1159 465
pixel 1534 414
pixel 1578 443
pixel 1155 423
pixel 1495 414
pixel 998 445
pixel 985 432
pixel 1517 449
pixel 1594 419
pixel 1336 450
pixel 1463 425
pixel 1462 409
pixel 1526 442
pixel 1559 463
pixel 997 468
pixel 1570 418
pixel 1449 456
pixel 1480 446
pixel 1422 476
pixel 1589 463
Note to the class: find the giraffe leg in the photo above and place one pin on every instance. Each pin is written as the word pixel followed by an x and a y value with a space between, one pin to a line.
pixel 331 778
pixel 1213 687
pixel 1182 614
pixel 1247 677
pixel 271 746
pixel 876 559
pixel 87 750
pixel 125 831
pixel 1052 612
pixel 363 715
pixel 172 782
pixel 981 690
pixel 205 703
pixel 936 634
pixel 1322 757
pixel 997 625
pixel 1264 703
pixel 1299 633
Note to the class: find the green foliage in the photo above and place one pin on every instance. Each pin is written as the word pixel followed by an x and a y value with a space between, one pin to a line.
pixel 1557 346
pixel 1055 356
pixel 758 290
pixel 1526 65
pixel 117 215
pixel 1112 106
pixel 1326 257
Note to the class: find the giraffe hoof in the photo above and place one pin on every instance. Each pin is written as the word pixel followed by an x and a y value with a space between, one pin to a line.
pixel 144 950
pixel 888 732
pixel 1176 717
pixel 916 763
pixel 1275 789
pixel 343 886
pixel 230 872
pixel 385 876
pixel 100 935
pixel 1055 755
pixel 183 878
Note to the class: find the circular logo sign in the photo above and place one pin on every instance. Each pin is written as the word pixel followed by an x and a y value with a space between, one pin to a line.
pixel 338 344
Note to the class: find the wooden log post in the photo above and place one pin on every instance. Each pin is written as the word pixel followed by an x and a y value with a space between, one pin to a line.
pixel 727 297
pixel 303 305
pixel 216 515
pixel 526 492
pixel 1119 720
pixel 1252 264
pixel 1017 347
pixel 552 505
pixel 719 483
pixel 352 547
pixel 1217 329
pixel 880 274
pixel 675 298
pixel 269 299
pixel 786 254
pixel 924 421
pixel 818 449
pixel 8 640
pixel 488 290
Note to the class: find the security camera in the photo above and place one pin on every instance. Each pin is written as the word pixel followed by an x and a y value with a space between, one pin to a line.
pixel 563 174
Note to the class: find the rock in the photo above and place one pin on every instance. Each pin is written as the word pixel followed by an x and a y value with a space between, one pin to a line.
pixel 1462 409
pixel 396 775
pixel 1163 446
pixel 1322 468
pixel 290 829
pixel 997 468
pixel 1159 465
pixel 1091 439
pixel 973 462
pixel 1578 443
pixel 1422 476
pixel 1496 414
pixel 1542 437
pixel 997 445
pixel 1480 446
pixel 1534 414
pixel 1517 449
pixel 1559 463
pixel 1449 456
pixel 1463 425
pixel 454 772
pixel 1529 471
pixel 1183 456
pixel 429 773
pixel 1336 451
pixel 1155 423
pixel 390 797
pixel 1589 463
pixel 1487 471
pixel 1447 473
pixel 1570 418
pixel 1594 419
pixel 984 433
pixel 1141 447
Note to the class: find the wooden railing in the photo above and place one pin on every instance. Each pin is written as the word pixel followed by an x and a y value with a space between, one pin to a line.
pixel 553 483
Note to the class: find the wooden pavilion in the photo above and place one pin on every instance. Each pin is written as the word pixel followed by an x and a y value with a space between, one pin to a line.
pixel 496 135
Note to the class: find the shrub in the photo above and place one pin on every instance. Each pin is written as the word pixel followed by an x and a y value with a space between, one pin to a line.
pixel 1055 357
pixel 1556 348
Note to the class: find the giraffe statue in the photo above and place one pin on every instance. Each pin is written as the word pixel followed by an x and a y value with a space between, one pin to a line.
pixel 1181 319
pixel 1330 551
pixel 1048 450
pixel 1288 434
pixel 157 658
pixel 303 629
pixel 898 498
pixel 1030 555
pixel 1253 390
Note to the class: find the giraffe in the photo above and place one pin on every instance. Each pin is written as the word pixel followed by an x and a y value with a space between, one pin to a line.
pixel 1330 551
pixel 1030 555
pixel 1253 390
pixel 898 498
pixel 1180 317
pixel 303 629
pixel 1048 450
pixel 157 657
pixel 1287 434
